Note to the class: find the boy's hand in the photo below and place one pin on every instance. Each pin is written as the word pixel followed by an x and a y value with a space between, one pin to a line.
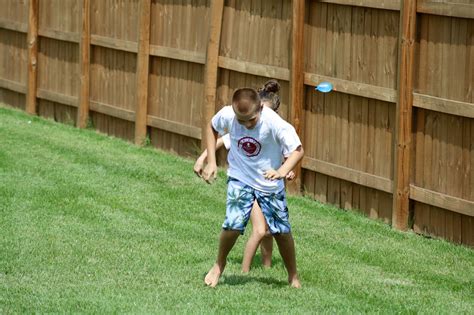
pixel 210 173
pixel 198 167
pixel 271 174
pixel 290 176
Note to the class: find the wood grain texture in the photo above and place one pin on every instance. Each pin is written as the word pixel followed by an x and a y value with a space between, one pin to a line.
pixel 143 62
pixel 32 41
pixel 404 115
pixel 84 66
pixel 297 82
pixel 210 72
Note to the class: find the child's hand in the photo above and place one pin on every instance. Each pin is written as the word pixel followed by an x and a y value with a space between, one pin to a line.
pixel 198 167
pixel 210 173
pixel 290 176
pixel 271 174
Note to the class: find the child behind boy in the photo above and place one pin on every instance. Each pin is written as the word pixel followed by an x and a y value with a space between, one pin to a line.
pixel 258 138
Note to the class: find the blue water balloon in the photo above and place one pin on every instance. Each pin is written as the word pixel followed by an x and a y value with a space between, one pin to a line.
pixel 324 87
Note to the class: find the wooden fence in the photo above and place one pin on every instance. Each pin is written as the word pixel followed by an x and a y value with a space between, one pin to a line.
pixel 396 139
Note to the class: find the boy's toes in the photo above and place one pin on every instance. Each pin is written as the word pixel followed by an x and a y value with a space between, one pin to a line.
pixel 212 277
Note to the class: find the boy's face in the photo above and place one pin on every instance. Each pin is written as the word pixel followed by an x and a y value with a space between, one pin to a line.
pixel 248 118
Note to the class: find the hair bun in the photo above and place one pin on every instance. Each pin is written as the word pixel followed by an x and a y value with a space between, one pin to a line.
pixel 271 86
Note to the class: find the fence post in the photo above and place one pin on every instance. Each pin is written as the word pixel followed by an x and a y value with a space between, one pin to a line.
pixel 143 63
pixel 297 80
pixel 32 42
pixel 84 65
pixel 210 72
pixel 401 194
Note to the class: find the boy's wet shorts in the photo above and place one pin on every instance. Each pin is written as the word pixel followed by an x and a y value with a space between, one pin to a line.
pixel 240 199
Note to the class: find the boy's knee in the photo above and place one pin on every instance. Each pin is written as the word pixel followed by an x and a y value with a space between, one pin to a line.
pixel 283 236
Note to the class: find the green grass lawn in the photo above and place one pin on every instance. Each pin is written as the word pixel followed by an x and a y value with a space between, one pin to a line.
pixel 94 224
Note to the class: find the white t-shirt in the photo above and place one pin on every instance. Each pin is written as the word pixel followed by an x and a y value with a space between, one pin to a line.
pixel 226 141
pixel 254 151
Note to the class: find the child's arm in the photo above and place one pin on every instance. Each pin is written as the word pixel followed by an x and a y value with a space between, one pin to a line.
pixel 210 171
pixel 199 165
pixel 291 174
pixel 286 167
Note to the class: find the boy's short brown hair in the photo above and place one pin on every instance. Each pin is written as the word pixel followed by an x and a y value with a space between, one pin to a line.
pixel 248 94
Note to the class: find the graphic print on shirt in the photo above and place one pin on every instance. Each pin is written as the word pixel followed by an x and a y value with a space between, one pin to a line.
pixel 249 146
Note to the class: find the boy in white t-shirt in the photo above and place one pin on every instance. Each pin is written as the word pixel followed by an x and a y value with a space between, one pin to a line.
pixel 260 235
pixel 258 138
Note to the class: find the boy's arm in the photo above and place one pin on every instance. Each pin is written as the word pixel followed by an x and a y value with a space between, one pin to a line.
pixel 291 174
pixel 286 167
pixel 210 171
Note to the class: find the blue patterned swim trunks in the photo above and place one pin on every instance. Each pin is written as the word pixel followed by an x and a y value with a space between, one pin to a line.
pixel 240 199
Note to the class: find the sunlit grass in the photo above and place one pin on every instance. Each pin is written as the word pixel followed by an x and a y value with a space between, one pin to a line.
pixel 94 224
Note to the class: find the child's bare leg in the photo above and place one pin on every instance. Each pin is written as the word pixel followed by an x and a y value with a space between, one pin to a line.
pixel 226 242
pixel 266 247
pixel 259 226
pixel 286 246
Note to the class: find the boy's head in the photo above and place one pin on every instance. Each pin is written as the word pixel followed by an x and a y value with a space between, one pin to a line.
pixel 247 107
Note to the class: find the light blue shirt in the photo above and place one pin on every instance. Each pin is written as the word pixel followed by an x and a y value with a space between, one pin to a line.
pixel 254 151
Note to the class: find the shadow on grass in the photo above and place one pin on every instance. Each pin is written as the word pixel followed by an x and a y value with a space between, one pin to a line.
pixel 257 261
pixel 234 280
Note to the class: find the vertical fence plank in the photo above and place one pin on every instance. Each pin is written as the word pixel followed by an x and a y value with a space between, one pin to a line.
pixel 143 62
pixel 297 80
pixel 404 114
pixel 32 41
pixel 210 73
pixel 84 65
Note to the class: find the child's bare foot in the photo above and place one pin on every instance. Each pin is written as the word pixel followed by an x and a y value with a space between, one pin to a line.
pixel 294 282
pixel 267 265
pixel 212 277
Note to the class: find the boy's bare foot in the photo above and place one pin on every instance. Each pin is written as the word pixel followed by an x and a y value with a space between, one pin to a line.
pixel 212 277
pixel 295 282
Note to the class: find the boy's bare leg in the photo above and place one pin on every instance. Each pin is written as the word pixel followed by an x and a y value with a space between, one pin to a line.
pixel 266 247
pixel 286 246
pixel 226 242
pixel 259 226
